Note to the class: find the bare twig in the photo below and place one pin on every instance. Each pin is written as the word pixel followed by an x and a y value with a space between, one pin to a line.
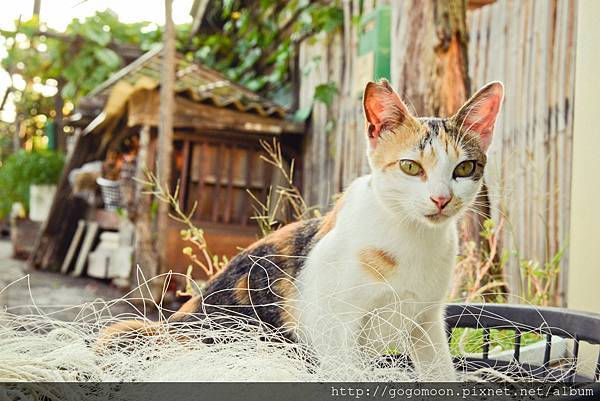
pixel 210 264
pixel 282 197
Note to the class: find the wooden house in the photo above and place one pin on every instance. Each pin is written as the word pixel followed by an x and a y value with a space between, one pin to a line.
pixel 216 155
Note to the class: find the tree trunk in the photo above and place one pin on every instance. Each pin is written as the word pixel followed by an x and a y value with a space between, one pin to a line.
pixel 429 55
pixel 37 5
pixel 59 133
pixel 165 131
pixel 145 253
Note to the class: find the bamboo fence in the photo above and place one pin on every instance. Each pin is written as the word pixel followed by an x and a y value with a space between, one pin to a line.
pixel 529 46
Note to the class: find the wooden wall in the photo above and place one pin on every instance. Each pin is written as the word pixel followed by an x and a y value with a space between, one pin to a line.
pixel 335 151
pixel 527 44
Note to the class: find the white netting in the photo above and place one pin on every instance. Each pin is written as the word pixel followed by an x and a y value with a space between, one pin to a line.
pixel 39 347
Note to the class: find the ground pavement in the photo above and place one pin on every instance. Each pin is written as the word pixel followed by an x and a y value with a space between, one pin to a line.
pixel 50 291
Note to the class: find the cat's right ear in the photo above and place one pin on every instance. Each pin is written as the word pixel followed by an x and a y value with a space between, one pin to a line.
pixel 383 108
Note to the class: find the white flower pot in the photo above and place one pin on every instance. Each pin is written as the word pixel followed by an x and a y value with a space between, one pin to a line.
pixel 40 200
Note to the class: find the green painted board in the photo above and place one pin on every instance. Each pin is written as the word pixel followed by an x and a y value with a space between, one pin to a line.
pixel 374 44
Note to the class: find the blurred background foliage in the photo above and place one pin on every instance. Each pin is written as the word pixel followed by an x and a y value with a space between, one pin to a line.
pixel 253 42
pixel 78 59
pixel 25 168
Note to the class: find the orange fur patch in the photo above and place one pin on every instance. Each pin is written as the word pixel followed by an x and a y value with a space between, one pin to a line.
pixel 377 262
pixel 428 160
pixel 241 292
pixel 449 142
pixel 190 307
pixel 330 218
pixel 113 335
pixel 283 239
pixel 286 289
pixel 280 239
pixel 393 143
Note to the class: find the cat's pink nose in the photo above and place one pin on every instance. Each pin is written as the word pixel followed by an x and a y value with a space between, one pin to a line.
pixel 441 201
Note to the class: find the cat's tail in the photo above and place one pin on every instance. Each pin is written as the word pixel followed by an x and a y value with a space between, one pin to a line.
pixel 122 334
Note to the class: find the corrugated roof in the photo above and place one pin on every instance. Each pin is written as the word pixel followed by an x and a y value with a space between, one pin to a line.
pixel 201 83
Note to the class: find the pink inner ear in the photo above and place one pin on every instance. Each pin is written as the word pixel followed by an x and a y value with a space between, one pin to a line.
pixel 374 110
pixel 373 132
pixel 482 117
pixel 383 108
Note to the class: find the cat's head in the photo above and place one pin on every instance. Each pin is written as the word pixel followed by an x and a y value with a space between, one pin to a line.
pixel 428 170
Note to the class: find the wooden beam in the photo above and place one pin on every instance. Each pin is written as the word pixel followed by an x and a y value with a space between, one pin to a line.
pixel 165 130
pixel 228 196
pixel 197 12
pixel 145 255
pixel 185 176
pixel 218 172
pixel 144 109
pixel 246 199
pixel 73 247
pixel 91 233
pixel 201 174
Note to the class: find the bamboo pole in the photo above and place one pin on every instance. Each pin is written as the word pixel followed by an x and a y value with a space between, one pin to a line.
pixel 165 131
pixel 145 255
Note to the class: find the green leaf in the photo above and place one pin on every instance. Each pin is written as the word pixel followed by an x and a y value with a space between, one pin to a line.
pixel 325 92
pixel 69 90
pixel 96 34
pixel 24 168
pixel 108 57
pixel 303 113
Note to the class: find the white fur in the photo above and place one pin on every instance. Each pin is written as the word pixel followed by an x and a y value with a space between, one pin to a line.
pixel 340 300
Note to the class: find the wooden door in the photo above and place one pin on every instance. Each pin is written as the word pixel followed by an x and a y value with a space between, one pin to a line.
pixel 215 173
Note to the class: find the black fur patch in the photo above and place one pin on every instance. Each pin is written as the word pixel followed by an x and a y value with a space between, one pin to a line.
pixel 267 272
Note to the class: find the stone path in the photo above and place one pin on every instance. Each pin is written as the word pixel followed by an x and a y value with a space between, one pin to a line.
pixel 49 291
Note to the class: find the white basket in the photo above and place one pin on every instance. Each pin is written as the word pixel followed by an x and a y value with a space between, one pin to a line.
pixel 111 193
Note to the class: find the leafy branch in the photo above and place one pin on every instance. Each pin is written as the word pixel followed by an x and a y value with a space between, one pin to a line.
pixel 540 279
pixel 255 42
pixel 473 274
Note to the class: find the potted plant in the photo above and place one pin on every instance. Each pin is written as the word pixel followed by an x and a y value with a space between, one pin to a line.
pixel 28 179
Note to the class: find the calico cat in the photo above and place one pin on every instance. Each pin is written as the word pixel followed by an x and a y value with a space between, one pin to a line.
pixel 384 253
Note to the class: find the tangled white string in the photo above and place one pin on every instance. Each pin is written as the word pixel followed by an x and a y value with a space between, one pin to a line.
pixel 39 347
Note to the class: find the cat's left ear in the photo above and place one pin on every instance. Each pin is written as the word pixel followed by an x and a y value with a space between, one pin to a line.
pixel 479 113
pixel 383 109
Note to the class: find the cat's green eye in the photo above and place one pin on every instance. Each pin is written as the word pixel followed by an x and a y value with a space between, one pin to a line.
pixel 465 169
pixel 410 167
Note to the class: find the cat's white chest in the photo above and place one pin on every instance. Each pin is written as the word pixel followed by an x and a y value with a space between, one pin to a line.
pixel 423 277
pixel 368 258
pixel 422 259
pixel 422 262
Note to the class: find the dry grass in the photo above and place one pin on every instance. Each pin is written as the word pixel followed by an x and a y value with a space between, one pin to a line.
pixel 282 200
pixel 481 270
